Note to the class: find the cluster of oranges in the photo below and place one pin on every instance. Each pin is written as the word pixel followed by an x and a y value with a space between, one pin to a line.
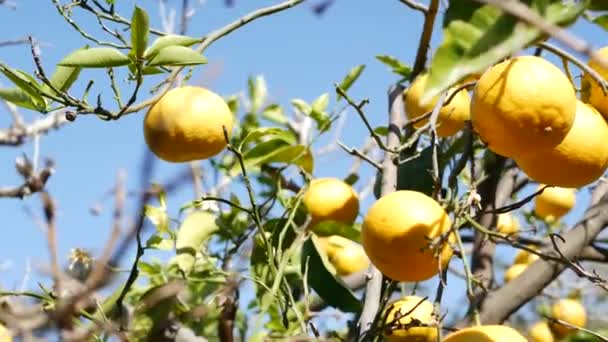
pixel 525 108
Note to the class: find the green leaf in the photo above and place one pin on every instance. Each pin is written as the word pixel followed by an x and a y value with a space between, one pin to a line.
pixel 395 65
pixel 27 84
pixel 149 269
pixel 152 71
pixel 598 5
pixel 601 21
pixel 328 228
pixel 18 97
pixel 158 242
pixel 473 42
pixel 63 78
pixel 351 179
pixel 320 103
pixel 275 113
pixel 194 231
pixel 169 40
pixel 158 217
pixel 257 92
pixel 102 57
pixel 140 27
pixel 177 56
pixel 350 78
pixel 321 277
pixel 381 130
pixel 270 133
pixel 277 151
pixel 301 106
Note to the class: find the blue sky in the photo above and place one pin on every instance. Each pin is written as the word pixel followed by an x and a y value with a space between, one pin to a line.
pixel 299 54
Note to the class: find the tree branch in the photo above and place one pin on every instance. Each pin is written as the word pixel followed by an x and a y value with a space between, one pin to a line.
pixel 500 304
pixel 389 184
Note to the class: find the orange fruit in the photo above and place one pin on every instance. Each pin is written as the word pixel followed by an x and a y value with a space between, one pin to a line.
pixel 331 199
pixel 186 124
pixel 540 332
pixel 403 312
pixel 397 233
pixel 486 333
pixel 580 159
pixel 595 94
pixel 523 105
pixel 554 202
pixel 451 116
pixel 570 311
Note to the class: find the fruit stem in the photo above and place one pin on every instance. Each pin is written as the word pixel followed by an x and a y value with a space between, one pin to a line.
pixel 468 276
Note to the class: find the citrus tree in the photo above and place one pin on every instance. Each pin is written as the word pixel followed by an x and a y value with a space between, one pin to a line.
pixel 486 146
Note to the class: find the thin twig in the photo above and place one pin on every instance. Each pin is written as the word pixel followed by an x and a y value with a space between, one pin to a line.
pixel 425 38
pixel 415 6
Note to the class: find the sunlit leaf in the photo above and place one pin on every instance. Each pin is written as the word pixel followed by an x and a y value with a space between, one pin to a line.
pixel 257 92
pixel 169 40
pixel 177 56
pixel 350 78
pixel 395 65
pixel 140 27
pixel 101 57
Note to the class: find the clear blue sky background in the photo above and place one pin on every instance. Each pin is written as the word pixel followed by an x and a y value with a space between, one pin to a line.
pixel 299 54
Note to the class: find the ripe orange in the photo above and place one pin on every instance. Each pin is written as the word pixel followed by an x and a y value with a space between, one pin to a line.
pixel 522 106
pixel 554 203
pixel 570 311
pixel 596 96
pixel 331 199
pixel 525 257
pixel 451 117
pixel 186 124
pixel 397 233
pixel 514 271
pixel 507 224
pixel 540 332
pixel 581 158
pixel 349 259
pixel 486 333
pixel 400 315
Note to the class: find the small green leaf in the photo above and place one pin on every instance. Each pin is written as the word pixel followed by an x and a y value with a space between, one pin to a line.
pixel 321 277
pixel 601 21
pixel 268 133
pixel 63 78
pixel 301 106
pixel 140 27
pixel 27 84
pixel 396 65
pixel 277 151
pixel 275 113
pixel 158 217
pixel 351 179
pixel 149 269
pixel 350 78
pixel 415 174
pixel 257 92
pixel 158 242
pixel 177 56
pixel 17 97
pixel 152 71
pixel 169 40
pixel 328 228
pixel 194 231
pixel 381 130
pixel 598 5
pixel 320 103
pixel 102 57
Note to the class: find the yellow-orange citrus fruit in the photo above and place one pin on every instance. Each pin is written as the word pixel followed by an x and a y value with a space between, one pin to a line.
pixel 5 335
pixel 540 332
pixel 186 124
pixel 333 243
pixel 349 259
pixel 397 235
pixel 514 271
pixel 486 333
pixel 597 98
pixel 401 313
pixel 554 202
pixel 570 311
pixel 451 117
pixel 523 105
pixel 331 199
pixel 507 224
pixel 581 158
pixel 524 257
